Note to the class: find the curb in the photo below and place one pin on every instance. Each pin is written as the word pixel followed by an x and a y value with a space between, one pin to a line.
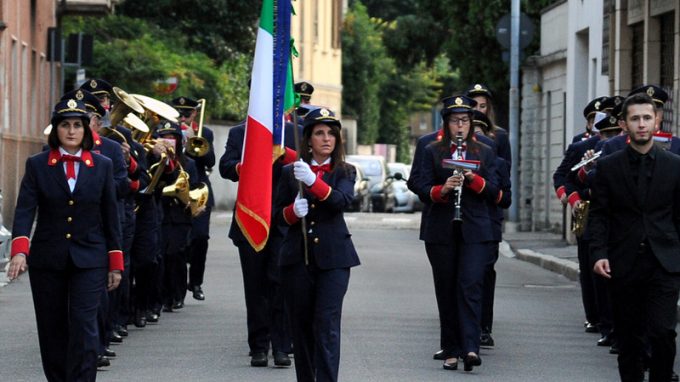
pixel 567 268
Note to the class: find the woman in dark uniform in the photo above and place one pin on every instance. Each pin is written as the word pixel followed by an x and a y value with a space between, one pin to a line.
pixel 459 251
pixel 315 275
pixel 75 251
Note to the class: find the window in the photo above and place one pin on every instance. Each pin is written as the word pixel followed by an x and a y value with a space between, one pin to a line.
pixel 606 27
pixel 667 62
pixel 336 26
pixel 637 51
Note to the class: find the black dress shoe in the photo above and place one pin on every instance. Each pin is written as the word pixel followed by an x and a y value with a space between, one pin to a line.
pixel 198 293
pixel 470 361
pixel 140 319
pixel 281 359
pixel 115 337
pixel 121 330
pixel 178 305
pixel 605 341
pixel 103 361
pixel 614 349
pixel 450 366
pixel 109 353
pixel 152 317
pixel 674 377
pixel 167 308
pixel 259 359
pixel 486 340
pixel 591 328
pixel 440 356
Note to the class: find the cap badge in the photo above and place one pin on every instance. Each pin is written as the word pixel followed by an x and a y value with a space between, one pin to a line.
pixel 597 105
pixel 478 87
pixel 458 101
pixel 650 91
pixel 324 112
pixel 93 84
pixel 303 87
pixel 182 101
pixel 167 125
pixel 612 120
pixel 617 101
pixel 71 104
pixel 79 95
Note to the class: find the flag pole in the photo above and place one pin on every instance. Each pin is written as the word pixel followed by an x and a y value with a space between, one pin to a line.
pixel 303 221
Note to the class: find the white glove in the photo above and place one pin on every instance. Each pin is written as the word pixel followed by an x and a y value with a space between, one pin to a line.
pixel 303 173
pixel 300 207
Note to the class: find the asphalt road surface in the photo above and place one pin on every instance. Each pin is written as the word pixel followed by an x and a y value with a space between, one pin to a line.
pixel 390 326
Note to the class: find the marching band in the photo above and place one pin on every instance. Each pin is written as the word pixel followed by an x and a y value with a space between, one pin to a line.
pixel 125 200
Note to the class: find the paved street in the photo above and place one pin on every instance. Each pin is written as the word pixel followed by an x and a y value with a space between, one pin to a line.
pixel 390 327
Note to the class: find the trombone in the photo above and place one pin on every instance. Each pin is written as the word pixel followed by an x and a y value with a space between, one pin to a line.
pixel 197 145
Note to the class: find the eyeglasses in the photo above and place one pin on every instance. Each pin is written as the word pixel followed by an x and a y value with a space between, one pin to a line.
pixel 457 121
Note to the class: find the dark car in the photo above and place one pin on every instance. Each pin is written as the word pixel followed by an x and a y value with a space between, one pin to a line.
pixel 379 181
pixel 362 195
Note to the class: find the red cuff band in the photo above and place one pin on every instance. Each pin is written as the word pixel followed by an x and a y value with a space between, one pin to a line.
pixel 561 191
pixel 477 184
pixel 134 185
pixel 289 215
pixel 20 244
pixel 116 261
pixel 133 166
pixel 436 194
pixel 573 198
pixel 320 189
pixel 238 168
pixel 289 157
pixel 500 196
pixel 582 175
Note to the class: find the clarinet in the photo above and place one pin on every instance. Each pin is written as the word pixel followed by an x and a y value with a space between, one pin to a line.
pixel 458 191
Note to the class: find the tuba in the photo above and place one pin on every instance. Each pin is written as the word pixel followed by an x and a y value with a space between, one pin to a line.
pixel 197 145
pixel 580 218
pixel 126 104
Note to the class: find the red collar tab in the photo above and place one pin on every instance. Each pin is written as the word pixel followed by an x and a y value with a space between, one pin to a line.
pixel 194 126
pixel 54 157
pixel 440 134
pixel 86 157
pixel 97 140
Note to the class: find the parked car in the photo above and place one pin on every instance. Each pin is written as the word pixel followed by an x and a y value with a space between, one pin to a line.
pixel 362 194
pixel 405 199
pixel 379 182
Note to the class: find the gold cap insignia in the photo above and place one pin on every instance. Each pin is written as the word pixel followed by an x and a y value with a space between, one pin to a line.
pixel 459 101
pixel 182 101
pixel 167 125
pixel 324 112
pixel 597 105
pixel 617 101
pixel 612 120
pixel 478 87
pixel 79 95
pixel 303 87
pixel 72 104
pixel 650 91
pixel 93 84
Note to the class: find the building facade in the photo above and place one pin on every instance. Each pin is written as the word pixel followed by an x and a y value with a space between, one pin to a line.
pixel 611 47
pixel 316 29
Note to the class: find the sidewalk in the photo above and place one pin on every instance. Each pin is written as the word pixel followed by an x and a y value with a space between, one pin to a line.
pixel 546 250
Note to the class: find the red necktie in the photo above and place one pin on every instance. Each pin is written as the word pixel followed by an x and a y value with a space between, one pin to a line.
pixel 70 161
pixel 324 168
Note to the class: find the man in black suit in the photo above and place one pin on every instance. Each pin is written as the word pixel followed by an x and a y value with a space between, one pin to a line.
pixel 635 220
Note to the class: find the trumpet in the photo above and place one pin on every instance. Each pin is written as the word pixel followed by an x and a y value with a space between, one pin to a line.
pixel 197 145
pixel 587 161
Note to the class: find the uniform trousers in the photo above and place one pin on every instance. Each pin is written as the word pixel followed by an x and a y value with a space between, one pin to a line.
pixel 489 292
pixel 198 251
pixel 644 304
pixel 66 303
pixel 144 253
pixel 586 279
pixel 458 271
pixel 265 312
pixel 315 303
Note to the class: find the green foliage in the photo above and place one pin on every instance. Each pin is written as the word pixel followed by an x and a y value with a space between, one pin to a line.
pixel 133 54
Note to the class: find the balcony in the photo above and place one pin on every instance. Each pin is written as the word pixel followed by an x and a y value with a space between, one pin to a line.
pixel 87 7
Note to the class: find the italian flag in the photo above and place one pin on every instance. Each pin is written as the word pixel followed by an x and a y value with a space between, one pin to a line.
pixel 263 140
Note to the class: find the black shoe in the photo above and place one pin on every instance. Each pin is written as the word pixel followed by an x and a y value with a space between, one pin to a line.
pixel 259 359
pixel 115 337
pixel 122 331
pixel 450 366
pixel 614 349
pixel 109 353
pixel 605 341
pixel 103 361
pixel 167 308
pixel 591 328
pixel 486 341
pixel 178 305
pixel 152 317
pixel 140 319
pixel 198 293
pixel 440 356
pixel 281 359
pixel 470 361
pixel 675 378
